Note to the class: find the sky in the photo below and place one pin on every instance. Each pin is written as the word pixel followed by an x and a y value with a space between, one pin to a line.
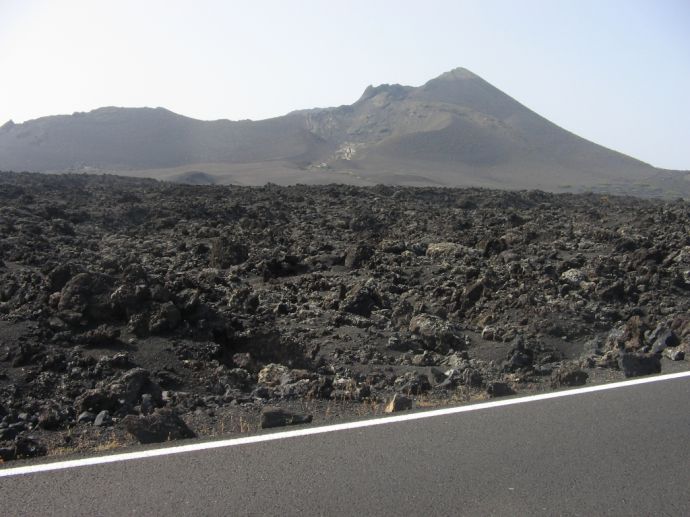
pixel 615 72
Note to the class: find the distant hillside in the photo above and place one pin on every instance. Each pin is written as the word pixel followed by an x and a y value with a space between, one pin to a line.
pixel 457 129
pixel 126 138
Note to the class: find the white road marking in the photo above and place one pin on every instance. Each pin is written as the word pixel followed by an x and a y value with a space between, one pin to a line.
pixel 165 451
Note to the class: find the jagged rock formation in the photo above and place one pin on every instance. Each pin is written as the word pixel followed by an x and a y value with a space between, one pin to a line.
pixel 127 303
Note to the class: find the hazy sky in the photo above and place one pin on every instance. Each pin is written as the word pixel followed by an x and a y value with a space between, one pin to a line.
pixel 615 72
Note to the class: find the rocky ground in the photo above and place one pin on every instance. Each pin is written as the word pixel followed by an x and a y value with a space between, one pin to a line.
pixel 136 311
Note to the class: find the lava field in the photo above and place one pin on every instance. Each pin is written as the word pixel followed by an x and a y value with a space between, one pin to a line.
pixel 138 311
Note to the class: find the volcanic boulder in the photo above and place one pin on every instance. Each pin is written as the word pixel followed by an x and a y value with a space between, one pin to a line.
pixel 163 425
pixel 86 295
pixel 436 333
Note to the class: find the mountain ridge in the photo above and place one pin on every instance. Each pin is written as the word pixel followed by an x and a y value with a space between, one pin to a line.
pixel 454 130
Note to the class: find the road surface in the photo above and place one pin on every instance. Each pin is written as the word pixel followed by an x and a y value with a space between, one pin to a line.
pixel 623 451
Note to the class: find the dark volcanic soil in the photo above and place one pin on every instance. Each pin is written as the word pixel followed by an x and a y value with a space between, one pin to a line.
pixel 127 303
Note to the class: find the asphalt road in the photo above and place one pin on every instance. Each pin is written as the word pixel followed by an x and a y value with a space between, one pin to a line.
pixel 618 452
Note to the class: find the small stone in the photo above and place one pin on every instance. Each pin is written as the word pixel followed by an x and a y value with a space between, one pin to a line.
pixel 674 354
pixel 147 406
pixel 472 378
pixel 362 300
pixel 357 255
pixel 399 402
pixel 426 358
pixel 499 389
pixel 272 374
pixel 568 377
pixel 85 417
pixel 8 433
pixel 638 363
pixel 102 419
pixel 29 448
pixel 666 339
pixel 395 343
pixel 488 333
pixel 49 419
pixel 7 453
pixel 277 417
pixel 413 383
pixel 573 276
pixel 243 360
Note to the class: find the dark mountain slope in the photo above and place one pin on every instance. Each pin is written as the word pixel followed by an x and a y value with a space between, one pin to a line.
pixel 472 125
